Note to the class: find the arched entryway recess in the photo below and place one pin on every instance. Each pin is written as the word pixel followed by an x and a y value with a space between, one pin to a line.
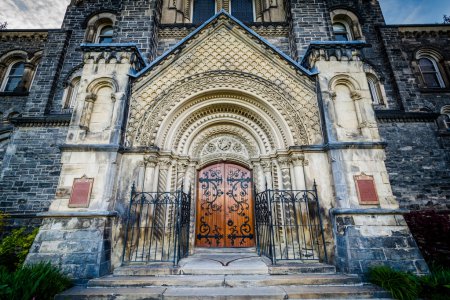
pixel 223 117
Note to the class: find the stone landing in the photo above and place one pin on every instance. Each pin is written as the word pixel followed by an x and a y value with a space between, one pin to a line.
pixel 226 274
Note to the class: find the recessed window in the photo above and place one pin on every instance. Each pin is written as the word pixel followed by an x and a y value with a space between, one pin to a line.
pixel 203 10
pixel 340 32
pixel 71 93
pixel 14 80
pixel 430 73
pixel 105 35
pixel 375 90
pixel 242 10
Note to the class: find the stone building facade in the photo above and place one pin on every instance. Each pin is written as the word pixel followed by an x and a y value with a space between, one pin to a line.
pixel 146 95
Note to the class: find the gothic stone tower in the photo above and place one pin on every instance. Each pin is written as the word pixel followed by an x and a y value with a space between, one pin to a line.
pixel 214 115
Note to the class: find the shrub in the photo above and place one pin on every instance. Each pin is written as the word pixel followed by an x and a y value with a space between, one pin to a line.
pixel 401 285
pixel 436 286
pixel 40 282
pixel 14 248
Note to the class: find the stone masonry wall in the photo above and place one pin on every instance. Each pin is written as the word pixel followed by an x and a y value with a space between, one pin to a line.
pixel 310 21
pixel 400 51
pixel 418 163
pixel 31 168
pixel 365 240
pixel 80 246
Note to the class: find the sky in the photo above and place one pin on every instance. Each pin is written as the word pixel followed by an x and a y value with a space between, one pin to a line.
pixel 25 14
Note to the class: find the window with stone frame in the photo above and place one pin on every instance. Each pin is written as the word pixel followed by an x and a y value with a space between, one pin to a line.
pixel 242 10
pixel 105 34
pixel 341 32
pixel 203 10
pixel 14 80
pixel 100 28
pixel 71 93
pixel 346 25
pixel 375 89
pixel 445 114
pixel 430 71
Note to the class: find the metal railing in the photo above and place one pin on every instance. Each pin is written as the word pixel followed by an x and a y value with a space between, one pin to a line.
pixel 157 227
pixel 289 225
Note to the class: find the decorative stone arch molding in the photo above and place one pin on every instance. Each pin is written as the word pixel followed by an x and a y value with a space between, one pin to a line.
pixel 146 117
pixel 221 106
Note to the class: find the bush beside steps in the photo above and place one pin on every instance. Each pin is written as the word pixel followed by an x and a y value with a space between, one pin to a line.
pixel 407 286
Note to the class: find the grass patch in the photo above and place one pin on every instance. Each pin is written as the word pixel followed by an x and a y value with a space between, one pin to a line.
pixel 41 281
pixel 401 285
pixel 407 286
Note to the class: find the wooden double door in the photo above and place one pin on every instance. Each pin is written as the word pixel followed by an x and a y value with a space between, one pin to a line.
pixel 225 207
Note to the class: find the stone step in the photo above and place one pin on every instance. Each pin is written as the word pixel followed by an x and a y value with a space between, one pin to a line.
pixel 154 269
pixel 249 293
pixel 224 280
pixel 222 267
pixel 293 267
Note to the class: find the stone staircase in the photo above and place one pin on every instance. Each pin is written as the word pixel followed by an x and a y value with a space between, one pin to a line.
pixel 228 274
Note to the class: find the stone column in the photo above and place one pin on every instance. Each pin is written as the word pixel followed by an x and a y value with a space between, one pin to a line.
pixel 285 173
pixel 150 163
pixel 87 111
pixel 298 161
pixel 267 169
pixel 181 176
pixel 163 178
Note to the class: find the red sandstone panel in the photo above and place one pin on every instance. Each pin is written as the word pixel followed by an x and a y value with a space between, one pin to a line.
pixel 365 187
pixel 81 192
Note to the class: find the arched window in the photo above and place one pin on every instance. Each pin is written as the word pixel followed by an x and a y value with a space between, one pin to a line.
pixel 71 93
pixel 242 10
pixel 105 34
pixel 430 72
pixel 341 32
pixel 203 10
pixel 100 28
pixel 14 80
pixel 375 90
pixel 445 111
pixel 346 25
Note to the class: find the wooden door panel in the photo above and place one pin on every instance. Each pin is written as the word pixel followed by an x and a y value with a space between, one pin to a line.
pixel 224 207
pixel 210 207
pixel 238 207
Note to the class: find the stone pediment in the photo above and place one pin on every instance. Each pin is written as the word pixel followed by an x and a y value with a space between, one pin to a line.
pixel 223 54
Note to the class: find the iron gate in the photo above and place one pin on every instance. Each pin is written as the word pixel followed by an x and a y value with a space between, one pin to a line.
pixel 289 225
pixel 157 227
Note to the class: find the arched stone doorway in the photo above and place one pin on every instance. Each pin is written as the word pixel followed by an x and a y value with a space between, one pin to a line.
pixel 224 215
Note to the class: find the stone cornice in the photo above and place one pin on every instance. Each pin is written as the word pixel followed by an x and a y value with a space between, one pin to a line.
pixel 405 117
pixel 49 120
pixel 338 146
pixel 328 50
pixel 264 29
pixel 25 35
pixel 116 47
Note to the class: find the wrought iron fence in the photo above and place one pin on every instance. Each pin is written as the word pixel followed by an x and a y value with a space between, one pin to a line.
pixel 157 227
pixel 289 225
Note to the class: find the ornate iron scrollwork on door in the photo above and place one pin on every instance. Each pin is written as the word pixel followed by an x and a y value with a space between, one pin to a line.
pixel 225 219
